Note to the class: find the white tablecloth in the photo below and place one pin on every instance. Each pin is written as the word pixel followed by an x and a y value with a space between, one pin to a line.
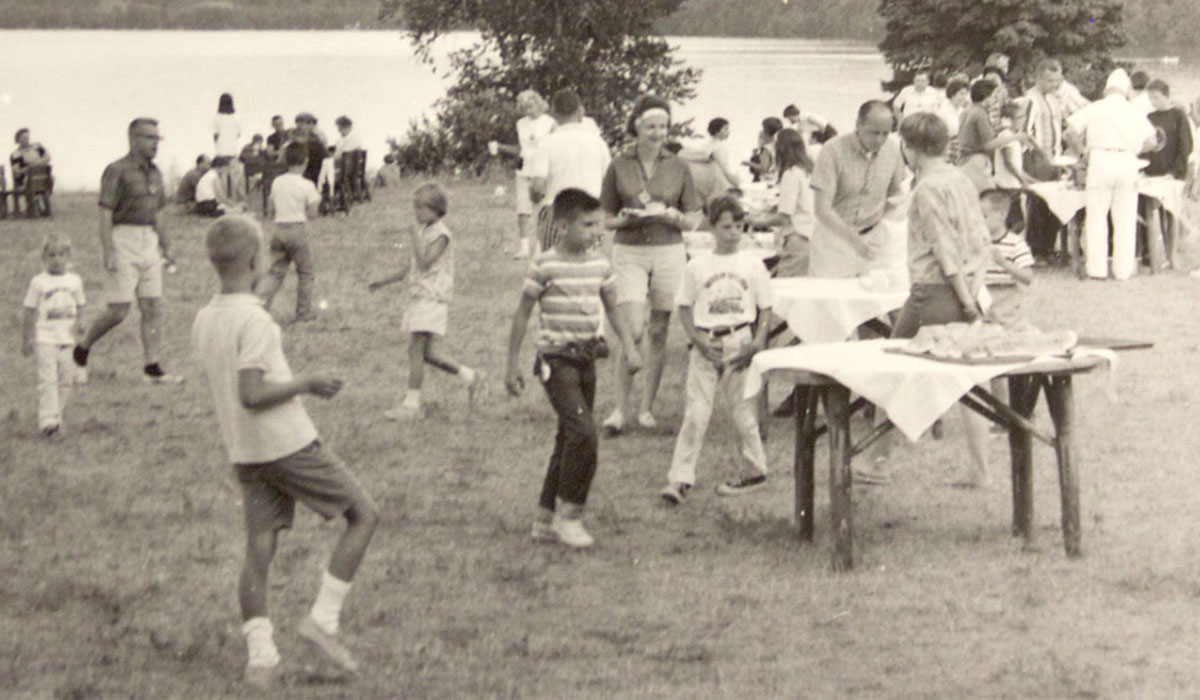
pixel 822 310
pixel 915 392
pixel 1065 201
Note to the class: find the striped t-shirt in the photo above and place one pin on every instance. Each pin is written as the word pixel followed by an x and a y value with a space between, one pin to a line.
pixel 1012 246
pixel 568 294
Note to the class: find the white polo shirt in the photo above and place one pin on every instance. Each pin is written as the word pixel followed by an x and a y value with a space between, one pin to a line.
pixel 573 155
pixel 234 332
pixel 1112 124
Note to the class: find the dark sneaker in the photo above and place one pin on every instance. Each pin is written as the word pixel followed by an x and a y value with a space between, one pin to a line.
pixel 745 484
pixel 50 431
pixel 675 493
pixel 80 356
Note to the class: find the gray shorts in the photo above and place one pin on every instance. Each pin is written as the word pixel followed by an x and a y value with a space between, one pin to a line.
pixel 314 476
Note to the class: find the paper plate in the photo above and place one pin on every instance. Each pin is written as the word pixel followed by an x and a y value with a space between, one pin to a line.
pixel 1064 161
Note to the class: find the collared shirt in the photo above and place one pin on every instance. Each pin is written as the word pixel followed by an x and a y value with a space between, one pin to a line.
pixel 573 155
pixel 911 101
pixel 1048 112
pixel 132 188
pixel 626 186
pixel 1112 124
pixel 860 183
pixel 234 332
pixel 946 230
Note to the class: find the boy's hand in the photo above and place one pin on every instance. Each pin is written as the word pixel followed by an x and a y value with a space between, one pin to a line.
pixel 513 381
pixel 709 348
pixel 27 348
pixel 742 360
pixel 325 386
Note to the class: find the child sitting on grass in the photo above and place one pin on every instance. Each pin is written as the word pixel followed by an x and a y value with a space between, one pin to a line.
pixel 52 319
pixel 276 454
pixel 724 301
pixel 430 277
pixel 571 283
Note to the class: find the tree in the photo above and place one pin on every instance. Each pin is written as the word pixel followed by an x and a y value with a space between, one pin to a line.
pixel 954 35
pixel 607 50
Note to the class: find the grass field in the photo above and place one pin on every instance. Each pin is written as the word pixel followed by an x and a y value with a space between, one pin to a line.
pixel 120 543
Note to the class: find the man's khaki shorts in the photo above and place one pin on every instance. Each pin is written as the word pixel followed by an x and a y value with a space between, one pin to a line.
pixel 139 265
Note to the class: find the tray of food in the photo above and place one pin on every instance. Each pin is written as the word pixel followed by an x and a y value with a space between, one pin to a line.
pixel 986 343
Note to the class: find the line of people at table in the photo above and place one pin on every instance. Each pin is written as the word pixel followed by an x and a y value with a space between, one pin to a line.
pixel 220 184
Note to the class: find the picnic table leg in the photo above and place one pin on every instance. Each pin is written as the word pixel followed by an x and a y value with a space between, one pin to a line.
pixel 1060 400
pixel 1022 393
pixel 805 400
pixel 837 418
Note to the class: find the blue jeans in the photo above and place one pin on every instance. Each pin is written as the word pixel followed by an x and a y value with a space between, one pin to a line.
pixel 571 388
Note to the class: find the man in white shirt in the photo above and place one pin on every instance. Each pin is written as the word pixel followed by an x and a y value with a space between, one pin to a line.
pixel 918 97
pixel 1112 132
pixel 571 156
pixel 349 141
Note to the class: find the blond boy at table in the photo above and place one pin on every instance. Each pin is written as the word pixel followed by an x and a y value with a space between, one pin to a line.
pixel 723 303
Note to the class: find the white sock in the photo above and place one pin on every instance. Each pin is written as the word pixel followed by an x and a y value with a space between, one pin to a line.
pixel 260 644
pixel 466 375
pixel 412 399
pixel 328 607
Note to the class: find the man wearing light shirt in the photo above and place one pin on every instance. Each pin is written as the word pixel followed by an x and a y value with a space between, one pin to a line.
pixel 349 140
pixel 572 156
pixel 918 97
pixel 1112 132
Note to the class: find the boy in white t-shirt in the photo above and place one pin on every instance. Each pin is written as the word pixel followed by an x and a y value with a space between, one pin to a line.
pixel 52 320
pixel 277 456
pixel 723 301
pixel 293 201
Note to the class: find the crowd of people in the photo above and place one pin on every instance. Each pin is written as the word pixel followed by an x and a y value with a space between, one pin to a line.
pixel 927 185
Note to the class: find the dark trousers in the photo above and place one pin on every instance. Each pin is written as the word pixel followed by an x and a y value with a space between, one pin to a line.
pixel 289 245
pixel 571 388
pixel 1041 232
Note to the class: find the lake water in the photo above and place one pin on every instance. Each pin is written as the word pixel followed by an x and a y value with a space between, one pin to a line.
pixel 77 90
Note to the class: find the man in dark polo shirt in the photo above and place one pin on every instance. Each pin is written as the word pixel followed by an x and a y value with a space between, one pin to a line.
pixel 278 138
pixel 134 247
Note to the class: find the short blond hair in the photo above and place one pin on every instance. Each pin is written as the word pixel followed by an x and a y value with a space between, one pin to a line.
pixel 230 240
pixel 432 195
pixel 55 241
pixel 530 98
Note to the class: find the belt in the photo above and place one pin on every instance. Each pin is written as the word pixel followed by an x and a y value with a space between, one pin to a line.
pixel 724 330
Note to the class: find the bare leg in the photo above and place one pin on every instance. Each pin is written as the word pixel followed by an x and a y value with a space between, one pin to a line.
pixel 252 586
pixel 416 360
pixel 108 319
pixel 633 313
pixel 435 358
pixel 361 520
pixel 656 356
pixel 151 324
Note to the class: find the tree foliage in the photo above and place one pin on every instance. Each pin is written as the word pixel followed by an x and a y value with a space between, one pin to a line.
pixel 952 35
pixel 607 50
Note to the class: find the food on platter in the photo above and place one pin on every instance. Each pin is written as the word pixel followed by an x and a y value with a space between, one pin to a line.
pixel 971 341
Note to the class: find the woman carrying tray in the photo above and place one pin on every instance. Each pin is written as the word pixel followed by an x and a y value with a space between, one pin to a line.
pixel 948 255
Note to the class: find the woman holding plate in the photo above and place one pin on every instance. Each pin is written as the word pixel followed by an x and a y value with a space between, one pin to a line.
pixel 649 197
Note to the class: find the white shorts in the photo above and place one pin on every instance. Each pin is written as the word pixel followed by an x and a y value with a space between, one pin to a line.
pixel 139 265
pixel 425 316
pixel 524 203
pixel 649 273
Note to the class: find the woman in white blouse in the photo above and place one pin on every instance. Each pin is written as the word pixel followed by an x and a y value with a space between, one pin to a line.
pixel 227 131
pixel 794 215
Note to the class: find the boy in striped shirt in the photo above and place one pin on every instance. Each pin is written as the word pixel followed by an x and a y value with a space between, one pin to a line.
pixel 1011 265
pixel 571 283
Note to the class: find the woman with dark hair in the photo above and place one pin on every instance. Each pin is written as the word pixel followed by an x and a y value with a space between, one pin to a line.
pixel 977 140
pixel 26 155
pixel 794 216
pixel 649 197
pixel 227 131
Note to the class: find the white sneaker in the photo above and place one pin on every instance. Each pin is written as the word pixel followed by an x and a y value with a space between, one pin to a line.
pixel 570 532
pixel 543 532
pixel 646 420
pixel 523 251
pixel 327 644
pixel 81 375
pixel 615 424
